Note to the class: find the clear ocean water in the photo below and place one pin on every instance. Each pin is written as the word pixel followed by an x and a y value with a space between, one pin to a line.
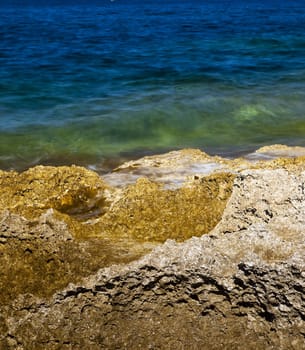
pixel 95 82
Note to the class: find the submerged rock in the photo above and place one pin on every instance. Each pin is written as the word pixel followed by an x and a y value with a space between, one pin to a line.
pixel 241 285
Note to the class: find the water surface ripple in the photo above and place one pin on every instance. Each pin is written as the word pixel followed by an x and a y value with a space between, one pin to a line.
pixel 83 83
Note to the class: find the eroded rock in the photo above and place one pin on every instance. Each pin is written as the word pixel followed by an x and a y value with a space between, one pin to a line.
pixel 148 212
pixel 70 190
pixel 172 169
pixel 41 256
pixel 241 286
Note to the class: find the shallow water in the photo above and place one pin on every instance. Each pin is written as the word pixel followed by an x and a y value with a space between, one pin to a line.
pixel 88 83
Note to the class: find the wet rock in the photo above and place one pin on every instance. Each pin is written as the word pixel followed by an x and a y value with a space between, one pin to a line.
pixel 276 151
pixel 172 169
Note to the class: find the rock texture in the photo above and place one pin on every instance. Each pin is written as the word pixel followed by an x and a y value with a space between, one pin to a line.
pixel 70 190
pixel 240 286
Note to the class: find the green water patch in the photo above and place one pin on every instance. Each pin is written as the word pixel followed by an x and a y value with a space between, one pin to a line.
pixel 206 121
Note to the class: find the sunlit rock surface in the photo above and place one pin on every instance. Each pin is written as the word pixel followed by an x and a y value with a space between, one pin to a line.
pixel 84 266
pixel 172 169
pixel 275 151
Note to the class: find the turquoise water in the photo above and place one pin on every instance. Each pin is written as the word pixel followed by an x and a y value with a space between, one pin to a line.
pixel 94 83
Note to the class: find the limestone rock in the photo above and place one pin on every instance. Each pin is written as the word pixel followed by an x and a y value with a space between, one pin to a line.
pixel 69 190
pixel 240 286
pixel 275 151
pixel 148 212
pixel 171 169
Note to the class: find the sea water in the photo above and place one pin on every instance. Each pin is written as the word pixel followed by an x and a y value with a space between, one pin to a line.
pixel 89 82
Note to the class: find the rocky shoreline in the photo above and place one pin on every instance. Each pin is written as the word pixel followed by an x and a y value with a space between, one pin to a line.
pixel 177 251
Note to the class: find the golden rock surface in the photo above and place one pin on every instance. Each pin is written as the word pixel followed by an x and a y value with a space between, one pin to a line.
pixel 148 212
pixel 176 195
pixel 144 211
pixel 69 190
pixel 61 225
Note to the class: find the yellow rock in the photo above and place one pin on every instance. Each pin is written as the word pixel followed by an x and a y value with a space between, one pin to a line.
pixel 70 190
pixel 148 212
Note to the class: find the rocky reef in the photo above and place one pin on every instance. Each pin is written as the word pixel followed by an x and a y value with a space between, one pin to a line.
pixel 176 251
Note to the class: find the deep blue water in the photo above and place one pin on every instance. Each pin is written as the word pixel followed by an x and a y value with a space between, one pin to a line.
pixel 88 82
